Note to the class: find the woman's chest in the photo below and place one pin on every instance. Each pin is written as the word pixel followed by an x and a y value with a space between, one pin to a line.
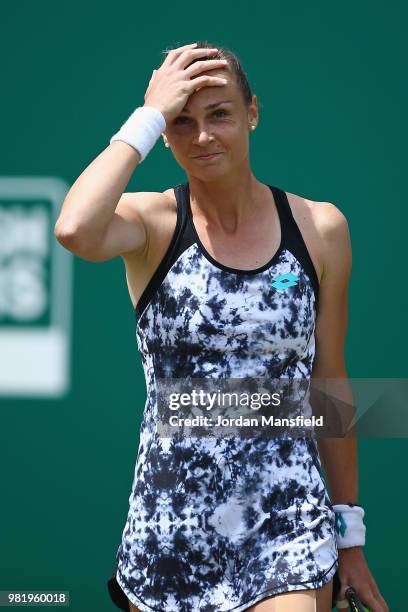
pixel 200 305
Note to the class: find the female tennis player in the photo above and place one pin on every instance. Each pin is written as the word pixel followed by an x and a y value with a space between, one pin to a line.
pixel 230 278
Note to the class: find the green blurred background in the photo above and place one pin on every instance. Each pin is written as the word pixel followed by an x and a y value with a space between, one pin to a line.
pixel 331 80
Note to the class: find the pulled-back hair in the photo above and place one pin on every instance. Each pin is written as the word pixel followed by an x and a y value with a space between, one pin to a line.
pixel 233 63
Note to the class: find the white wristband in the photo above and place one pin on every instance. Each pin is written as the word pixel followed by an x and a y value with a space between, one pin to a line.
pixel 349 526
pixel 142 129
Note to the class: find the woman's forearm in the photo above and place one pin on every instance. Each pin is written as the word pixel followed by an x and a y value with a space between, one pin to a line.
pixel 90 203
pixel 339 455
pixel 340 461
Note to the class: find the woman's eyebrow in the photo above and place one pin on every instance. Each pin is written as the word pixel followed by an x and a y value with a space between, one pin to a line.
pixel 212 105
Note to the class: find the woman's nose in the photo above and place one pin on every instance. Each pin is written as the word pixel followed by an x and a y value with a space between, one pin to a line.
pixel 203 136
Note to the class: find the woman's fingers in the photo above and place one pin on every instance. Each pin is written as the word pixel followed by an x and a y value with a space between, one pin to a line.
pixel 378 599
pixel 191 54
pixel 375 604
pixel 198 67
pixel 371 597
pixel 173 55
pixel 206 81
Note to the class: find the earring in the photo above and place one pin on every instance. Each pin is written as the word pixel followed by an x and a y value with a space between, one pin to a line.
pixel 253 127
pixel 166 144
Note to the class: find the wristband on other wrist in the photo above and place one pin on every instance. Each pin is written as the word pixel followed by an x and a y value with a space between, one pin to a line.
pixel 349 526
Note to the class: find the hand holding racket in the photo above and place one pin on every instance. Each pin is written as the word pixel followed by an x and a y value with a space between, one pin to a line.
pixel 354 602
pixel 354 584
pixel 351 602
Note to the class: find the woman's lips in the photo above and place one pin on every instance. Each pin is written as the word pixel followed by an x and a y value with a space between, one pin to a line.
pixel 208 156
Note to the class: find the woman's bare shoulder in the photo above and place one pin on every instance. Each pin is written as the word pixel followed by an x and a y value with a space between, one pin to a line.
pixel 151 206
pixel 325 216
pixel 146 200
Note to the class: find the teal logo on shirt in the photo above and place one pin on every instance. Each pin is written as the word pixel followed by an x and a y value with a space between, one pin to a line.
pixel 282 281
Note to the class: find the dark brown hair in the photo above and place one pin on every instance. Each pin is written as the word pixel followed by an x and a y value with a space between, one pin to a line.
pixel 233 63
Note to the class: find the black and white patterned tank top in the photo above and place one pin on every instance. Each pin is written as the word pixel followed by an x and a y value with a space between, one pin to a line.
pixel 218 524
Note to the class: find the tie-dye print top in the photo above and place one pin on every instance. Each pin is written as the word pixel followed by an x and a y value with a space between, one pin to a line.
pixel 218 524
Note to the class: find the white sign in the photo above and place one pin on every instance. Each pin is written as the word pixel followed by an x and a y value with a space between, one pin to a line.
pixel 35 289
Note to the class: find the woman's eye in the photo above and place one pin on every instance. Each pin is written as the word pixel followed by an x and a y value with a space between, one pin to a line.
pixel 182 120
pixel 220 110
pixel 179 120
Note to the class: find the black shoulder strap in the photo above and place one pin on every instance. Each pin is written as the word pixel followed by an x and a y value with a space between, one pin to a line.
pixel 180 241
pixel 292 236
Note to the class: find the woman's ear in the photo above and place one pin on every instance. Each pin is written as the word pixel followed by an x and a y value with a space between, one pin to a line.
pixel 253 115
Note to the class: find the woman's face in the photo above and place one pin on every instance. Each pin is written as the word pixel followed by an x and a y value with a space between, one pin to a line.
pixel 214 120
